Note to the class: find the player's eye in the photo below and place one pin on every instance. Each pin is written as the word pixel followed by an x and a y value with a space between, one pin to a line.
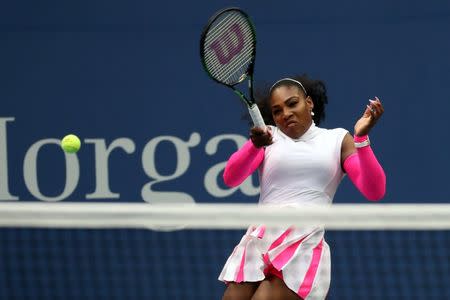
pixel 276 112
pixel 292 103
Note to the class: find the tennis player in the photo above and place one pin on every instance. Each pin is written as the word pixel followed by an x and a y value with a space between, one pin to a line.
pixel 299 164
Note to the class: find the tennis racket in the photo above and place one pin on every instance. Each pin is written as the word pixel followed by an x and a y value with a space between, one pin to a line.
pixel 228 50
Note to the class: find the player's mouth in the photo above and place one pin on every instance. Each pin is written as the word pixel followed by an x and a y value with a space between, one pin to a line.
pixel 291 124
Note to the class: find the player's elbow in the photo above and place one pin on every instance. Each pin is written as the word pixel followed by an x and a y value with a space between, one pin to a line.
pixel 229 180
pixel 377 190
pixel 376 196
pixel 229 183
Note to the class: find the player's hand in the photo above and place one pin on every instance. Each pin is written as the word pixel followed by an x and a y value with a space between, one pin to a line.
pixel 261 137
pixel 371 115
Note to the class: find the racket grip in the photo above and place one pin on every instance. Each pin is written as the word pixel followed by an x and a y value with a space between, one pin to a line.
pixel 256 116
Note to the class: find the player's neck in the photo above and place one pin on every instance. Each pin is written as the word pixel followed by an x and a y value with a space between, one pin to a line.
pixel 309 133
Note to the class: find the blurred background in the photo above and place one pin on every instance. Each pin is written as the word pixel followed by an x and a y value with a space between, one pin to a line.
pixel 126 77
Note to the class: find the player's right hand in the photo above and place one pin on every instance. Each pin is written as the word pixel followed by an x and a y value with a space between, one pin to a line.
pixel 261 137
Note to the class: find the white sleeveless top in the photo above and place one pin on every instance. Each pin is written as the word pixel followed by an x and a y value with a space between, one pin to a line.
pixel 303 171
pixel 294 172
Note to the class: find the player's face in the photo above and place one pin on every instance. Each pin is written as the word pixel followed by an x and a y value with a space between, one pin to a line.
pixel 291 110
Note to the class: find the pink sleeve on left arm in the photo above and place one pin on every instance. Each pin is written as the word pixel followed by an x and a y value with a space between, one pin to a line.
pixel 242 164
pixel 366 173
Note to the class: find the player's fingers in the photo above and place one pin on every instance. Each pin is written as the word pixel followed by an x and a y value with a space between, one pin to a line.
pixel 380 105
pixel 370 110
pixel 377 102
pixel 256 131
pixel 376 110
pixel 376 106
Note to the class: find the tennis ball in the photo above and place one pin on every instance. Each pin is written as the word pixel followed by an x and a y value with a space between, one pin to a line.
pixel 70 143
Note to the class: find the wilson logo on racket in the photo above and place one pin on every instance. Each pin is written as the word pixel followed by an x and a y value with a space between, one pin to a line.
pixel 228 44
pixel 227 53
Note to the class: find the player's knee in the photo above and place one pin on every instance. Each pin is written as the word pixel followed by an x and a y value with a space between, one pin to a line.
pixel 274 289
pixel 261 297
pixel 264 292
pixel 235 291
pixel 274 295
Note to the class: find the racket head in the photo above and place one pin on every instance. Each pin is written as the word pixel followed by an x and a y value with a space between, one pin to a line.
pixel 228 46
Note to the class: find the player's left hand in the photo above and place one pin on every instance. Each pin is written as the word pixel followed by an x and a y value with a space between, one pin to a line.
pixel 371 115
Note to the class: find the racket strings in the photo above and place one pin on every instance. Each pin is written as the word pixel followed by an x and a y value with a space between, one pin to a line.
pixel 238 75
pixel 238 65
pixel 232 72
pixel 221 23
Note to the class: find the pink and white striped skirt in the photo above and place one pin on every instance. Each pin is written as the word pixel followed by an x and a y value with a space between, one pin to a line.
pixel 299 256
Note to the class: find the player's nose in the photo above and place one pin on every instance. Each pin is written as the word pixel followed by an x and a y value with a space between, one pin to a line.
pixel 287 113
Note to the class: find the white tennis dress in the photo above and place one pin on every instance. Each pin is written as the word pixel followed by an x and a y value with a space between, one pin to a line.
pixel 299 172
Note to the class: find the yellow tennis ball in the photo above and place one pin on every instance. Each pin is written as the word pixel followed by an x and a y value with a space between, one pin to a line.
pixel 70 143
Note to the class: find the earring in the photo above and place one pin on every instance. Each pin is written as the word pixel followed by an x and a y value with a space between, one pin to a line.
pixel 312 113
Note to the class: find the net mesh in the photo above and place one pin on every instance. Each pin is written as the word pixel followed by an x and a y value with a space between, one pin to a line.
pixel 228 47
pixel 84 260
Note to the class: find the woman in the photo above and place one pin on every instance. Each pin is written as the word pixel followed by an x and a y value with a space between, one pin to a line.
pixel 299 164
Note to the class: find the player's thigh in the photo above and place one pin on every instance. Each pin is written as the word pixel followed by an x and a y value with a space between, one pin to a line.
pixel 274 288
pixel 240 291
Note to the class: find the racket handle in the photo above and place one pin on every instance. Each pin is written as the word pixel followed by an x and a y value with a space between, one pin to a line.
pixel 256 116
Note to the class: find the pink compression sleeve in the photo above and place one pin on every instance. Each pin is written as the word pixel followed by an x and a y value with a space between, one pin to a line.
pixel 366 173
pixel 242 163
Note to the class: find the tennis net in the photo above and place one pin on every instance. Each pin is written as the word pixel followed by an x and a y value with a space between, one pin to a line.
pixel 141 251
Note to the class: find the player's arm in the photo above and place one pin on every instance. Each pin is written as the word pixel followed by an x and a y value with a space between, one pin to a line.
pixel 359 161
pixel 247 159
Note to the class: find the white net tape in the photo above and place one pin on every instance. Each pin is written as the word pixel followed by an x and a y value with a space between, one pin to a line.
pixel 223 216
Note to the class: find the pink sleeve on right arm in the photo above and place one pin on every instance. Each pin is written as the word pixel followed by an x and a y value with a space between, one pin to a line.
pixel 366 173
pixel 242 164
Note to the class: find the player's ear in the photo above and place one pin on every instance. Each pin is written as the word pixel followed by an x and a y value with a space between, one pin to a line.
pixel 310 102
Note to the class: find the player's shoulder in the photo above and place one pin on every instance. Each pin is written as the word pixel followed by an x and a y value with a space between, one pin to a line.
pixel 273 129
pixel 277 134
pixel 338 132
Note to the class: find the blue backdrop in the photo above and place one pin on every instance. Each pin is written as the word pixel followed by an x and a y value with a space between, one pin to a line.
pixel 125 76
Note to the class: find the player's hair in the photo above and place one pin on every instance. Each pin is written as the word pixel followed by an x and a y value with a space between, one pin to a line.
pixel 315 88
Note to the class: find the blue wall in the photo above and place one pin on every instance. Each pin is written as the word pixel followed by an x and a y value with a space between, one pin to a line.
pixel 111 70
pixel 126 75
